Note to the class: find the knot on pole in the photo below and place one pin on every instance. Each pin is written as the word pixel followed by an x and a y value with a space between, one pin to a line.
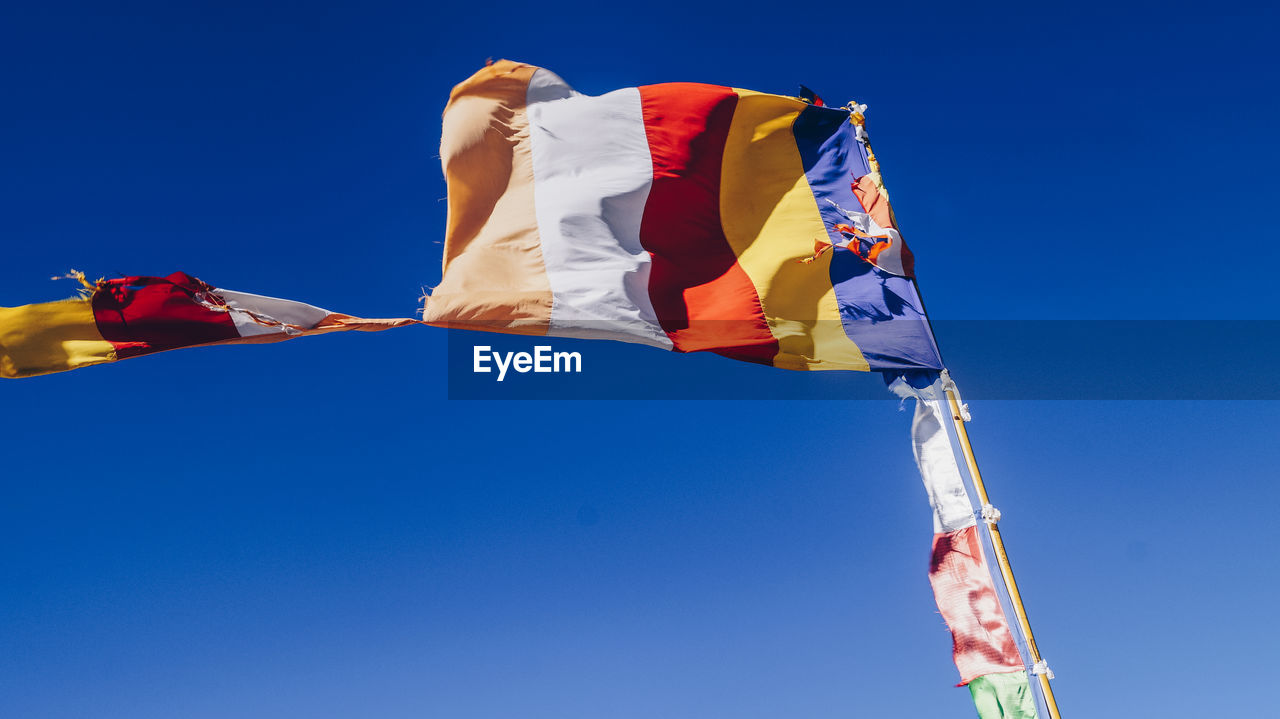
pixel 1042 667
pixel 990 514
pixel 949 384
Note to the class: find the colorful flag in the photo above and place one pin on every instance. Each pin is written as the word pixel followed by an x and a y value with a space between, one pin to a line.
pixel 134 316
pixel 684 216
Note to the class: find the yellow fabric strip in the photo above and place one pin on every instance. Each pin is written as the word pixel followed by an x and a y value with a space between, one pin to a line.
pixel 494 277
pixel 50 337
pixel 771 220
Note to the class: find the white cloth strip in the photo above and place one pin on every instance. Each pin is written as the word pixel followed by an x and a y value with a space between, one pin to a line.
pixel 938 469
pixel 268 309
pixel 592 172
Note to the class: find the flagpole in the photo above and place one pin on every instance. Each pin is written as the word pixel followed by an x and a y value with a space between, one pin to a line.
pixel 1002 558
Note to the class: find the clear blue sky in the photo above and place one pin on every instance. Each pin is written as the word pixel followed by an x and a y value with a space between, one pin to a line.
pixel 314 529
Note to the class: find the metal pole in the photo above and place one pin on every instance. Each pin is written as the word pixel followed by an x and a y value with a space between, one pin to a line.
pixel 1002 558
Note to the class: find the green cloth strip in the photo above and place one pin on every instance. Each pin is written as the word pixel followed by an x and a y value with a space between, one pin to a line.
pixel 1003 696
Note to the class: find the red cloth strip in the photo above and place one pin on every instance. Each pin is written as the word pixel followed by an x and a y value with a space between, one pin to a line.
pixel 703 299
pixel 141 315
pixel 983 643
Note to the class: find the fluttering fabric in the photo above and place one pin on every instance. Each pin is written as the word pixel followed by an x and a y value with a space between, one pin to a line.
pixel 965 583
pixel 684 216
pixel 133 316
